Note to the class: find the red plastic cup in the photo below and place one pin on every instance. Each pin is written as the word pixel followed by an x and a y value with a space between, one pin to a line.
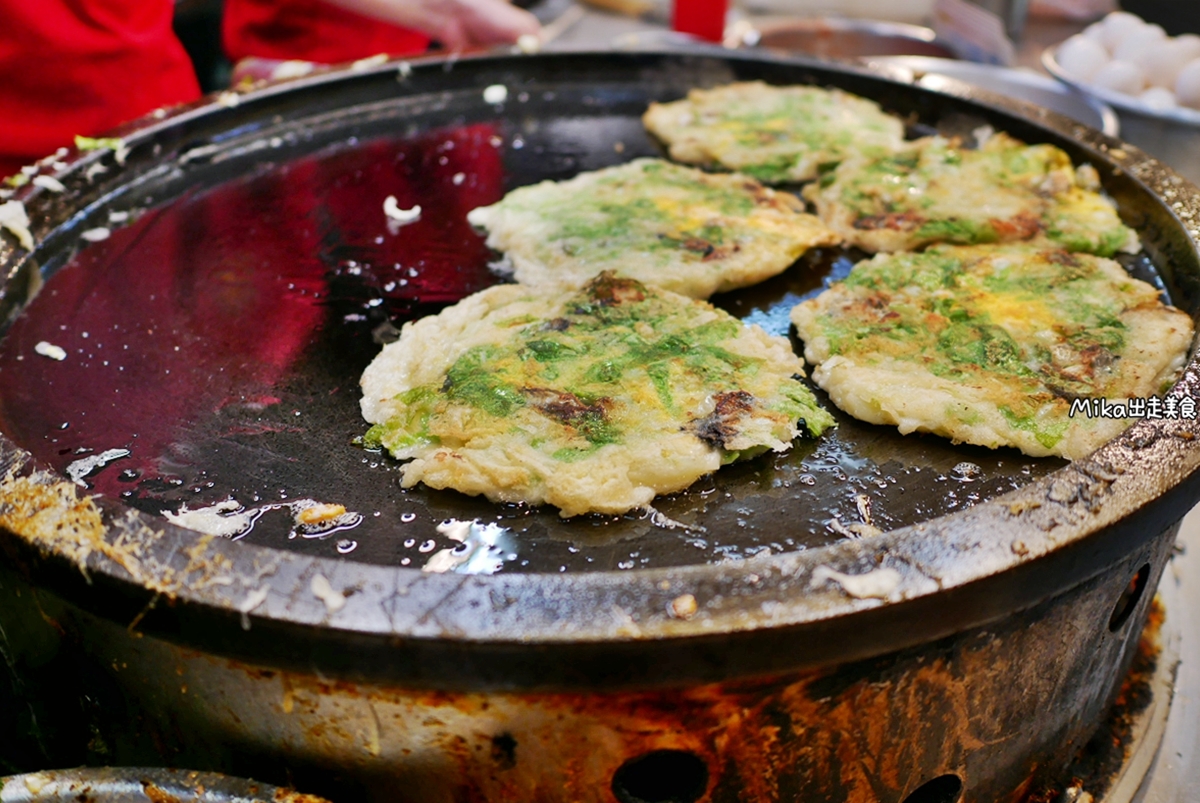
pixel 702 18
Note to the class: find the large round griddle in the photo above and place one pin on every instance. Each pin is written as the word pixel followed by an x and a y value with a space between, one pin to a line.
pixel 218 335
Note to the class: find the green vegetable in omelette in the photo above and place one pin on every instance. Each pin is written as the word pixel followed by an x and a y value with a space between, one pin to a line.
pixel 592 400
pixel 935 190
pixel 991 344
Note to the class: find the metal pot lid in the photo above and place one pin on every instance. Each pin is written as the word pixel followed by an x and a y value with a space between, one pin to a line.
pixel 213 341
pixel 843 38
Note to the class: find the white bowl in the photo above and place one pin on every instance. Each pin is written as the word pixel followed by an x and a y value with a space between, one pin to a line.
pixel 1172 135
pixel 1119 100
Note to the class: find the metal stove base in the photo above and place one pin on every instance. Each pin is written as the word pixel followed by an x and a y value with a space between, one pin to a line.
pixel 1163 765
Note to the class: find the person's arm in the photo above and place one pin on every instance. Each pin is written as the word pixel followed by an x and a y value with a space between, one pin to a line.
pixel 457 24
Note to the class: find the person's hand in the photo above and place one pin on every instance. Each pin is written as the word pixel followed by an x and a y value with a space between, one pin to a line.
pixel 457 24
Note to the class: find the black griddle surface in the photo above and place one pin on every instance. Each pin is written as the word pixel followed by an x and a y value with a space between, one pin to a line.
pixel 219 338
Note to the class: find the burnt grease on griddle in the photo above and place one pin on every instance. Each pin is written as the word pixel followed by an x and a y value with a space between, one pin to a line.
pixel 220 339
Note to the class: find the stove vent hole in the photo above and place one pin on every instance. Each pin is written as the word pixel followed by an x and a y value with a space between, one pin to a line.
pixel 1129 599
pixel 942 789
pixel 662 776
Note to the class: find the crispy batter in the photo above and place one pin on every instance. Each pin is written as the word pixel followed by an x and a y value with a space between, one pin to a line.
pixel 992 344
pixel 594 399
pixel 681 229
pixel 775 134
pixel 935 191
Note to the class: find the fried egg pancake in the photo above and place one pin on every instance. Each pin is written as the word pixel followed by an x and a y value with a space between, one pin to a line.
pixel 774 133
pixel 593 400
pixel 936 191
pixel 664 224
pixel 991 344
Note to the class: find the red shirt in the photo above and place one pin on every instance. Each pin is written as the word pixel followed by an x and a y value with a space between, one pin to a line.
pixel 311 30
pixel 81 67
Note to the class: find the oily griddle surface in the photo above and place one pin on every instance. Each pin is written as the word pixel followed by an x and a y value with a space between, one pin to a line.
pixel 218 339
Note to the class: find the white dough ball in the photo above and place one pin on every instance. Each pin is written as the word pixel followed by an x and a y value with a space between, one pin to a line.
pixel 1081 57
pixel 1121 76
pixel 1095 32
pixel 1187 85
pixel 1187 47
pixel 1141 43
pixel 1163 65
pixel 1158 97
pixel 1118 25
